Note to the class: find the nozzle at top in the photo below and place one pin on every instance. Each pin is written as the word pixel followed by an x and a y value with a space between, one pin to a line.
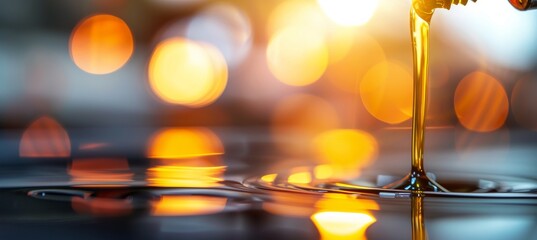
pixel 523 5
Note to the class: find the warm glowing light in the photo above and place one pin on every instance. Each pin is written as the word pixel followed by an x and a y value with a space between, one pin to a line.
pixel 185 157
pixel 323 171
pixel 296 56
pixel 177 143
pixel 100 171
pixel 188 205
pixel 346 151
pixel 306 16
pixel 481 102
pixel 101 44
pixel 349 12
pixel 342 225
pixel 189 73
pixel 302 116
pixel 45 138
pixel 101 206
pixel 386 92
pixel 269 178
pixel 347 74
pixel 300 178
pixel 523 100
pixel 340 216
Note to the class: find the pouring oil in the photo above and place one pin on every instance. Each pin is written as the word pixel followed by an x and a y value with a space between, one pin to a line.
pixel 420 18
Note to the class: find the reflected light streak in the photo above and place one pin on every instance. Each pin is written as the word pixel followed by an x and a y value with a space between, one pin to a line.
pixel 481 102
pixel 45 137
pixel 188 73
pixel 101 44
pixel 290 204
pixel 349 12
pixel 300 177
pixel 386 92
pixel 185 157
pixel 345 151
pixel 103 172
pixel 188 205
pixel 342 217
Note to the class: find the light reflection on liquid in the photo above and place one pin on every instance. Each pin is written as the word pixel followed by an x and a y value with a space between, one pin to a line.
pixel 343 152
pixel 101 206
pixel 185 157
pixel 102 172
pixel 45 138
pixel 341 217
pixel 187 205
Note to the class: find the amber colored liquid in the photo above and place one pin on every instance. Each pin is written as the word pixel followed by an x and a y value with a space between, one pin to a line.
pixel 417 180
pixel 418 223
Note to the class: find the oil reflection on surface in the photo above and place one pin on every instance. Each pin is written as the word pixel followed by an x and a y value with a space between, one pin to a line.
pixel 103 204
pixel 102 172
pixel 340 217
pixel 45 138
pixel 187 205
pixel 185 157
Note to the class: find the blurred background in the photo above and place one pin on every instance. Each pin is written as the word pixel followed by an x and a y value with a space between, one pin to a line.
pixel 308 74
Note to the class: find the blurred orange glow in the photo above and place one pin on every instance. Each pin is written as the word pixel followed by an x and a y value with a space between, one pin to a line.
pixel 346 151
pixel 323 171
pixel 45 138
pixel 306 16
pixel 269 178
pixel 185 157
pixel 101 44
pixel 301 176
pixel 386 92
pixel 188 205
pixel 523 100
pixel 349 71
pixel 342 217
pixel 481 103
pixel 100 171
pixel 189 73
pixel 297 56
pixel 342 225
pixel 349 12
pixel 177 143
pixel 302 116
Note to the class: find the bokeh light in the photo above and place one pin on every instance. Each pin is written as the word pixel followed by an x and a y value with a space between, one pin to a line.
pixel 225 27
pixel 189 73
pixel 306 16
pixel 523 100
pixel 101 44
pixel 297 56
pixel 349 71
pixel 386 92
pixel 45 137
pixel 187 205
pixel 349 12
pixel 185 157
pixel 179 143
pixel 346 151
pixel 481 102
